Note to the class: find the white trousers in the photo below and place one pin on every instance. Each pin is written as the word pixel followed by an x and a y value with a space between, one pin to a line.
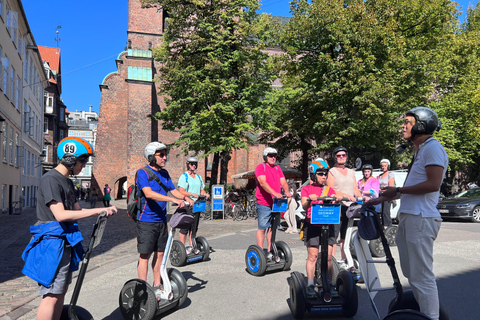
pixel 290 216
pixel 415 237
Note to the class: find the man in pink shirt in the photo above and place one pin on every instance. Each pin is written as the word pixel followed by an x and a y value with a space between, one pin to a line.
pixel 270 180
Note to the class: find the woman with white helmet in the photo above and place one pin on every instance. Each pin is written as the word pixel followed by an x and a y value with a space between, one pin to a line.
pixel 386 179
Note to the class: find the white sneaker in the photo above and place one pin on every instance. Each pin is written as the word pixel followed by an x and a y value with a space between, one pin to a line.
pixel 189 249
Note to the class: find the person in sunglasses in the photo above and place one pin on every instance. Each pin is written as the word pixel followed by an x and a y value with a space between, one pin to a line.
pixel 191 185
pixel 270 181
pixel 318 172
pixel 343 181
pixel 152 231
pixel 55 250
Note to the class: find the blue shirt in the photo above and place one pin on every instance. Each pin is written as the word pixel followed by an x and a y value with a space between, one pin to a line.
pixel 151 210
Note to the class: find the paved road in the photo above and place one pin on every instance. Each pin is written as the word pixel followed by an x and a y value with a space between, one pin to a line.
pixel 221 288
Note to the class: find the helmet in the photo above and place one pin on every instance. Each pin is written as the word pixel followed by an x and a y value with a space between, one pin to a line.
pixel 367 167
pixel 71 148
pixel 426 120
pixel 337 150
pixel 472 185
pixel 151 149
pixel 268 151
pixel 387 162
pixel 191 159
pixel 315 166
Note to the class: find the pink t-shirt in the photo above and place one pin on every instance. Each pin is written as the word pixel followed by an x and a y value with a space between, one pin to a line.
pixel 372 183
pixel 273 175
pixel 314 189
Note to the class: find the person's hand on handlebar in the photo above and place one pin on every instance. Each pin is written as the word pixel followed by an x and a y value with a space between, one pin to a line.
pixel 179 202
pixel 110 211
pixel 194 195
pixel 207 196
pixel 313 197
pixel 288 194
pixel 277 195
pixel 190 201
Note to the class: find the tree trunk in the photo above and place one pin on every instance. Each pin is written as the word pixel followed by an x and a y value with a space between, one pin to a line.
pixel 305 163
pixel 214 176
pixel 224 159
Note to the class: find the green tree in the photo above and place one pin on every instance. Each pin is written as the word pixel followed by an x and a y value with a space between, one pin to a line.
pixel 213 75
pixel 351 69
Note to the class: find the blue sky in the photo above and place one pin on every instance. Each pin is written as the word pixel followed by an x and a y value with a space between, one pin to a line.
pixel 93 33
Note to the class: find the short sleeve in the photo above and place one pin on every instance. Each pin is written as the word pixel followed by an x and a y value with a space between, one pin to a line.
pixel 182 181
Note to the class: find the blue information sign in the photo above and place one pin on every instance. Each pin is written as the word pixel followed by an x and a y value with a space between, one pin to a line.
pixel 325 214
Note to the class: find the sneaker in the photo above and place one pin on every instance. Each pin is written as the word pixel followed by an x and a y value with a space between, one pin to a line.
pixel 269 256
pixel 333 291
pixel 158 291
pixel 189 249
pixel 311 294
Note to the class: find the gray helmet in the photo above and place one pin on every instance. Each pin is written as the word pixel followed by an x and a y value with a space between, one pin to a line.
pixel 367 167
pixel 151 149
pixel 426 120
pixel 268 151
pixel 191 159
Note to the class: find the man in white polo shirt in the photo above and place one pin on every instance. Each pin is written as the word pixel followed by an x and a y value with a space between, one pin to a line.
pixel 419 219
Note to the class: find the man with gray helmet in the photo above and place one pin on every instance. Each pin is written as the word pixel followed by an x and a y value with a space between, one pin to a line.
pixel 152 230
pixel 270 181
pixel 419 219
pixel 191 185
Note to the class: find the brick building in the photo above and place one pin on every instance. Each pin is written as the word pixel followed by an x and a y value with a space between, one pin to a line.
pixel 128 96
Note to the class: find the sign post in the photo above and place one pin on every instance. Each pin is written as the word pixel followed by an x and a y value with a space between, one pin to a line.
pixel 218 199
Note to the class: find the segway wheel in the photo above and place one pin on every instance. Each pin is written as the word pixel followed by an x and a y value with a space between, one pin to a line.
pixel 256 261
pixel 406 314
pixel 137 300
pixel 82 313
pixel 408 302
pixel 285 254
pixel 318 269
pixel 348 291
pixel 376 248
pixel 179 286
pixel 298 301
pixel 204 247
pixel 178 254
pixel 390 235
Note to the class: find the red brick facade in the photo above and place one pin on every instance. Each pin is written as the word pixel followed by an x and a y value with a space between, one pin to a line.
pixel 124 128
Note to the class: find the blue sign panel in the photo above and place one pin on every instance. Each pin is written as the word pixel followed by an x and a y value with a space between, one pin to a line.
pixel 279 205
pixel 217 204
pixel 325 214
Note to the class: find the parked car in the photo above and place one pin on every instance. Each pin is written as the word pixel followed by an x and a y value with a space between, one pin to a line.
pixel 464 205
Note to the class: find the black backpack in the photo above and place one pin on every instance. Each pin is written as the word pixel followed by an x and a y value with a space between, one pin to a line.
pixel 135 195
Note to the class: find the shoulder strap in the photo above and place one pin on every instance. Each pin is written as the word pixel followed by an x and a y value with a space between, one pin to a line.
pixel 153 176
pixel 325 191
pixel 201 181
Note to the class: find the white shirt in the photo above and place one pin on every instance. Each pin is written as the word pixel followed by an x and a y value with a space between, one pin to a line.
pixel 431 152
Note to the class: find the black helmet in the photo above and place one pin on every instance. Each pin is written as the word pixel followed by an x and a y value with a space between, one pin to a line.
pixel 337 150
pixel 367 167
pixel 426 120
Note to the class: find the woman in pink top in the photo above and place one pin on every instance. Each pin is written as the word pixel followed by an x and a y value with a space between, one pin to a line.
pixel 368 185
pixel 318 171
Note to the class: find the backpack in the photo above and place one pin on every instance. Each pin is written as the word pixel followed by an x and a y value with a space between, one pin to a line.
pixel 135 195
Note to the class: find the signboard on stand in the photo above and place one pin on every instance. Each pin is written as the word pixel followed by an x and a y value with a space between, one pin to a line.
pixel 218 204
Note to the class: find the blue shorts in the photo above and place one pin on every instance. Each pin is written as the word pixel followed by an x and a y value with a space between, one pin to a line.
pixel 264 214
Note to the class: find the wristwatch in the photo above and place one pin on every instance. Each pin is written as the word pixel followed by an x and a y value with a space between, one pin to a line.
pixel 398 190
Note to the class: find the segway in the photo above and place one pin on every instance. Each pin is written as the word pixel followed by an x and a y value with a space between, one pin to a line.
pixel 403 305
pixel 324 303
pixel 259 261
pixel 200 250
pixel 72 311
pixel 137 299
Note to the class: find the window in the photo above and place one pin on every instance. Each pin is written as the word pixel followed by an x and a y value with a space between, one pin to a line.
pixel 45 125
pixel 26 111
pixel 4 197
pixel 21 45
pixel 86 171
pixel 88 134
pixel 12 85
pixel 45 152
pixel 70 133
pixel 17 141
pixel 25 66
pixel 79 133
pixel 62 134
pixel 4 141
pixel 10 146
pixel 12 18
pixel 1 63
pixel 62 114
pixel 6 65
pixel 18 93
pixel 27 170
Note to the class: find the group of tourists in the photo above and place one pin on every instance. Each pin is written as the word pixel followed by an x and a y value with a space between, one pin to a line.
pixel 419 221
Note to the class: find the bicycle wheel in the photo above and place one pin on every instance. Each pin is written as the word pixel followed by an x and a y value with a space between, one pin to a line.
pixel 252 209
pixel 236 213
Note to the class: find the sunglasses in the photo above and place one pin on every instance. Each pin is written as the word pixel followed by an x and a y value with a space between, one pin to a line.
pixel 161 154
pixel 83 160
pixel 322 173
pixel 406 121
pixel 341 155
pixel 194 164
pixel 272 155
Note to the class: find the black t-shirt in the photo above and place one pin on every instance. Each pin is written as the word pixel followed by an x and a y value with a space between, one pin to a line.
pixel 54 186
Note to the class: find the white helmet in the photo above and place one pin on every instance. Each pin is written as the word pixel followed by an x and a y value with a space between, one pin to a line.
pixel 151 149
pixel 387 162
pixel 268 151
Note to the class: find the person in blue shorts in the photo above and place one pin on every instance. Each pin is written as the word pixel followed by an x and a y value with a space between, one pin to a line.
pixel 152 230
